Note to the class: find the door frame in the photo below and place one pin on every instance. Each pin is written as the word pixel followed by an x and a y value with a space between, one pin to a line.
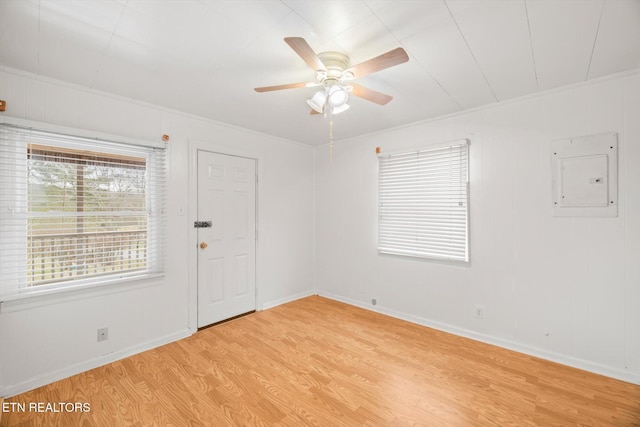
pixel 195 147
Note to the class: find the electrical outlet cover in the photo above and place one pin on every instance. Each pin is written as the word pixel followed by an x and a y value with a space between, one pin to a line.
pixel 103 334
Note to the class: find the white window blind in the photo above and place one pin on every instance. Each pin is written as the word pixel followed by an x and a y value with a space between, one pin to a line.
pixel 423 203
pixel 77 211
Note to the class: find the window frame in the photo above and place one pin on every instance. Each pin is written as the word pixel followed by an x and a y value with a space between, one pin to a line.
pixel 156 208
pixel 395 232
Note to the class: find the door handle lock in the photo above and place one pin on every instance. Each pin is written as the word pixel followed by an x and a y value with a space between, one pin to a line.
pixel 203 245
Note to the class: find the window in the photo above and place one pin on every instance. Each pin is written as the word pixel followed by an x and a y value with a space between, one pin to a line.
pixel 76 211
pixel 423 203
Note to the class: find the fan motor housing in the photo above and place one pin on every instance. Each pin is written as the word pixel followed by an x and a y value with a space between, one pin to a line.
pixel 336 63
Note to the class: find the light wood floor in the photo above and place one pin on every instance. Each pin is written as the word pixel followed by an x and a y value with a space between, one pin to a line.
pixel 319 362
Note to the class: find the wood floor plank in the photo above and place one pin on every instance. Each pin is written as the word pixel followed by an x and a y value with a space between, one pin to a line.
pixel 318 362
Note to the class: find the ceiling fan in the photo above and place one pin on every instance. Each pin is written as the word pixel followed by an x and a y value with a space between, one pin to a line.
pixel 333 71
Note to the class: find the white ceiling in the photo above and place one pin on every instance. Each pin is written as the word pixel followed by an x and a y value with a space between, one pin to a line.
pixel 205 56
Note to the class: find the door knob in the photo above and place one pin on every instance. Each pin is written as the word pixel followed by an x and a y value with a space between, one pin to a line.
pixel 203 245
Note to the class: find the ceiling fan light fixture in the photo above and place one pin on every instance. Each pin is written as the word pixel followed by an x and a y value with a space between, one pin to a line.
pixel 317 101
pixel 340 109
pixel 338 96
pixel 320 75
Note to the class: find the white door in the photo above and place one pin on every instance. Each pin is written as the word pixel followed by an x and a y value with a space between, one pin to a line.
pixel 226 249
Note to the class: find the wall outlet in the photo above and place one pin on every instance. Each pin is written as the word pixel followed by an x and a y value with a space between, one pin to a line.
pixel 478 312
pixel 374 301
pixel 103 334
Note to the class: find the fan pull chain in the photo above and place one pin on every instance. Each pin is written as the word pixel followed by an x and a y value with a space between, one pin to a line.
pixel 331 139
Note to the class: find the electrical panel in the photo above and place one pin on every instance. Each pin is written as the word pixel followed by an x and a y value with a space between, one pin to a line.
pixel 585 176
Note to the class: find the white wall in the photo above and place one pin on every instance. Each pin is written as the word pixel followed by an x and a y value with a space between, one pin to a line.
pixel 46 339
pixel 564 288
pixel 567 289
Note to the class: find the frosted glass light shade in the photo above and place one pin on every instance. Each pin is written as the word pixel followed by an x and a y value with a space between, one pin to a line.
pixel 340 109
pixel 317 101
pixel 338 96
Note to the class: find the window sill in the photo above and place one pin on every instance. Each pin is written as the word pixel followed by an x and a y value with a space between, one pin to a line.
pixel 34 299
pixel 425 258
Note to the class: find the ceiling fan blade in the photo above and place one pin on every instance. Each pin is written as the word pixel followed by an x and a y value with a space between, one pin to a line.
pixel 280 87
pixel 370 94
pixel 305 52
pixel 313 112
pixel 386 60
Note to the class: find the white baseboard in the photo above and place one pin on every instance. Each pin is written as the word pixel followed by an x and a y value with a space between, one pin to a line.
pixel 12 390
pixel 270 304
pixel 573 362
pixel 39 381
